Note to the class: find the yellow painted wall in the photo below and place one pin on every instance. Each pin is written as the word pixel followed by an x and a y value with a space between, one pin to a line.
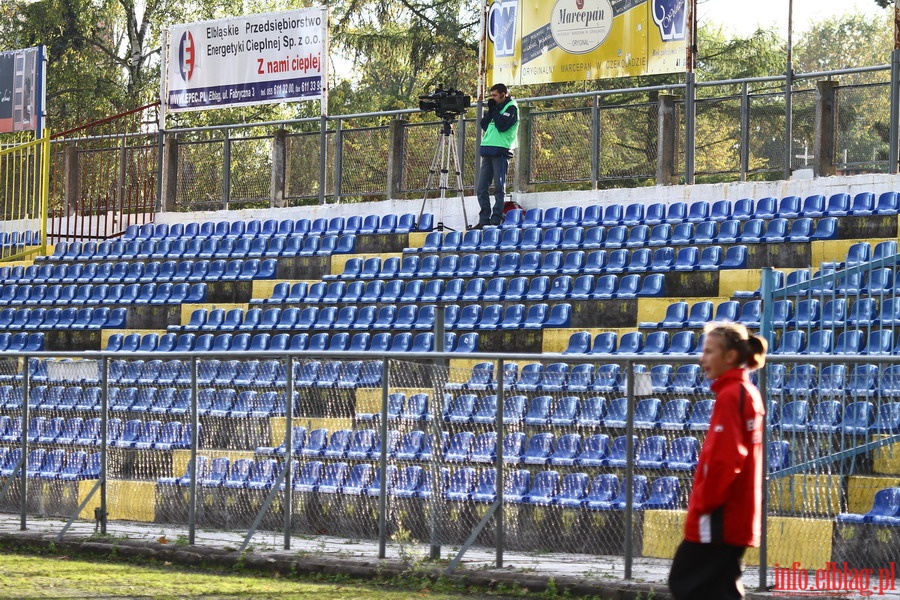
pixel 734 280
pixel 339 260
pixel 125 500
pixel 417 238
pixel 887 460
pixel 861 491
pixel 790 539
pixel 188 309
pixel 277 426
pixel 663 531
pixel 368 400
pixel 807 494
pixel 796 539
pixel 181 458
pixel 654 309
pixel 557 340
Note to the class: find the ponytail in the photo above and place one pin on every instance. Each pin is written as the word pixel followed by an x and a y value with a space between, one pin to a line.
pixel 751 349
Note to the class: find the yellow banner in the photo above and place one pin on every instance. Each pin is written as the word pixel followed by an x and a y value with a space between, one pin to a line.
pixel 538 41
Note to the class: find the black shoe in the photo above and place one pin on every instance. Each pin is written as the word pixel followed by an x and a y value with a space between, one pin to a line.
pixel 477 226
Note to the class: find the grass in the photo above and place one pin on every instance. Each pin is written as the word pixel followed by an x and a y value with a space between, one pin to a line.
pixel 28 576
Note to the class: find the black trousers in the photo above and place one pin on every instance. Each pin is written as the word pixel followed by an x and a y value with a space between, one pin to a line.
pixel 707 572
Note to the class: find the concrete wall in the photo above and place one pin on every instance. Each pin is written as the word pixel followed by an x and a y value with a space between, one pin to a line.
pixel 453 218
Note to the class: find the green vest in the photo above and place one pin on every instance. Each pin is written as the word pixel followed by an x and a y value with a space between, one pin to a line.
pixel 501 139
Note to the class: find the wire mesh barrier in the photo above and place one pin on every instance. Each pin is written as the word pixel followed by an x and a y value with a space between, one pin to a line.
pixel 561 148
pixel 304 151
pixel 200 172
pixel 718 126
pixel 596 455
pixel 419 142
pixel 628 141
pixel 862 125
pixel 365 175
pixel 250 157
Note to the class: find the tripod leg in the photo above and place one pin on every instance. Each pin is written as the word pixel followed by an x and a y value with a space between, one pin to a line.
pixel 435 167
pixel 454 146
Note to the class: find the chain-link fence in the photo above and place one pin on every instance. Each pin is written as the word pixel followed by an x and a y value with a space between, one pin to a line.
pixel 595 138
pixel 596 455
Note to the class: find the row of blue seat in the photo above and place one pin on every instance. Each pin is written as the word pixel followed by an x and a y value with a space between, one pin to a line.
pixel 369 224
pixel 164 400
pixel 792 341
pixel 755 231
pixel 513 289
pixel 119 293
pixel 830 416
pixel 321 342
pixel 862 380
pixel 634 342
pixel 21 342
pixel 885 510
pixel 577 262
pixel 540 411
pixel 63 319
pixel 138 272
pixel 406 317
pixel 52 465
pixel 790 207
pixel 826 341
pixel 134 434
pixel 595 450
pixel 20 239
pixel 209 248
pixel 574 490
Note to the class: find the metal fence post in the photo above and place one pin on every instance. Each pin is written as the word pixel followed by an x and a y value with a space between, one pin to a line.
pixel 788 119
pixel 595 142
pixel 104 441
pixel 629 466
pixel 160 160
pixel 894 134
pixel 501 474
pixel 288 503
pixel 226 170
pixel 690 125
pixel 338 159
pixel 382 458
pixel 23 490
pixel 745 131
pixel 323 157
pixel 766 330
pixel 195 438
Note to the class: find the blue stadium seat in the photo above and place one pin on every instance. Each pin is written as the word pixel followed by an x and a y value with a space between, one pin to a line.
pixel 858 418
pixel 676 213
pixel 887 204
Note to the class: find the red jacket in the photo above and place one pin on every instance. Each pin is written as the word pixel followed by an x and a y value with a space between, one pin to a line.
pixel 726 501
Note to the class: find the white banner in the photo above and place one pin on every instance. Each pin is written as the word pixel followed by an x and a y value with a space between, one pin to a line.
pixel 254 59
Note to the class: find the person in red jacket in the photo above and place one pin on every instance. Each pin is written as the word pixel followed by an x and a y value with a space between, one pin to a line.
pixel 723 516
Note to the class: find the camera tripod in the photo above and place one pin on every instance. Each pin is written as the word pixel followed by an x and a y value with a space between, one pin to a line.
pixel 446 161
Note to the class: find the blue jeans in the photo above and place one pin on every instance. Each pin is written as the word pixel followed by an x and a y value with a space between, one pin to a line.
pixel 493 169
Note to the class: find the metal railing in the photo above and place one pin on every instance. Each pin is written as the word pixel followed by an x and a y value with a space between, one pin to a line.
pixel 138 479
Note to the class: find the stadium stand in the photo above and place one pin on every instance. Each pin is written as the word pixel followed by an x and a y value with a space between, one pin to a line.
pixel 594 283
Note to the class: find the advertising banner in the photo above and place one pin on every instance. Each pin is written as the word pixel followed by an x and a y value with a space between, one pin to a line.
pixel 19 82
pixel 253 59
pixel 535 41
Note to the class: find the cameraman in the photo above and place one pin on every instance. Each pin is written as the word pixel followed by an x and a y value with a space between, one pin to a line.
pixel 500 124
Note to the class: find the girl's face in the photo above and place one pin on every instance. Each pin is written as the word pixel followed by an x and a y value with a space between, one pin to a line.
pixel 715 360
